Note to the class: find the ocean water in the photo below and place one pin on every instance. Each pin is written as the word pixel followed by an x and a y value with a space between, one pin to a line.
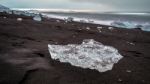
pixel 122 20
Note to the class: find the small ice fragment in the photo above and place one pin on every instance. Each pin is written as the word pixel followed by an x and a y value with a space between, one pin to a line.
pixel 37 18
pixel 139 26
pixel 8 11
pixel 119 24
pixel 58 21
pixel 110 28
pixel 17 12
pixel 4 17
pixel 83 21
pixel 99 27
pixel 90 21
pixel 19 19
pixel 89 54
pixel 69 19
pixel 99 30
pixel 129 71
pixel 130 43
pixel 88 28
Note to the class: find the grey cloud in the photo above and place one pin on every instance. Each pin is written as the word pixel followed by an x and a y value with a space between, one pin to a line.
pixel 141 5
pixel 100 5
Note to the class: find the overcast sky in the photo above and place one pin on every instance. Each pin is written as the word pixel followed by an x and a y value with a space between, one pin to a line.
pixel 96 5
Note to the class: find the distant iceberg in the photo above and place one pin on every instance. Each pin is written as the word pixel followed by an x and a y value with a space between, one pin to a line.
pixel 90 54
pixel 130 25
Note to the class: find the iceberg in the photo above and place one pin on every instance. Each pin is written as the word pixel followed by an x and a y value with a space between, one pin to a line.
pixel 89 54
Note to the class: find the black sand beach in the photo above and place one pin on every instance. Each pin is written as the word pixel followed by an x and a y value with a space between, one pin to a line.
pixel 24 56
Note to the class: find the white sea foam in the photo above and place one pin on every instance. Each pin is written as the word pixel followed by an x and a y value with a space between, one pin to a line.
pixel 90 54
pixel 115 23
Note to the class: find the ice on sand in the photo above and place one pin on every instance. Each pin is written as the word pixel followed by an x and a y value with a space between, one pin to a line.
pixel 90 54
pixel 37 18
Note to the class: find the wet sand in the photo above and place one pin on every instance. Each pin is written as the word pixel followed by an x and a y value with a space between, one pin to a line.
pixel 24 56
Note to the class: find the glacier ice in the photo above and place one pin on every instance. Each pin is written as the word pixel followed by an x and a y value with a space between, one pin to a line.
pixel 37 18
pixel 88 28
pixel 19 19
pixel 3 8
pixel 89 54
pixel 129 24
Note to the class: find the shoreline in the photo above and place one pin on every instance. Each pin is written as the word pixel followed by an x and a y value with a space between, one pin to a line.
pixel 24 51
pixel 108 22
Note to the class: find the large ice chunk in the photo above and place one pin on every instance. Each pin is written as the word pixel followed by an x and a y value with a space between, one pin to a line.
pixel 90 54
